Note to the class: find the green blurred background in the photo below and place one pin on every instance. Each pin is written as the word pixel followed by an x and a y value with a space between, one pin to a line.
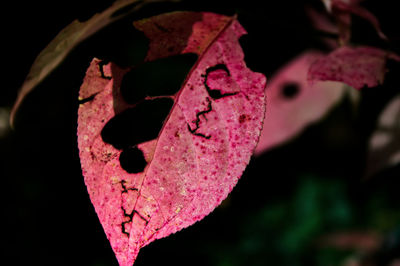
pixel 294 205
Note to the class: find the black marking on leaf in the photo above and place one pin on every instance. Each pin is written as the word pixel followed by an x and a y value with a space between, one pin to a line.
pixel 125 189
pixel 216 94
pixel 216 67
pixel 88 99
pixel 290 90
pixel 197 121
pixel 130 216
pixel 123 228
pixel 101 69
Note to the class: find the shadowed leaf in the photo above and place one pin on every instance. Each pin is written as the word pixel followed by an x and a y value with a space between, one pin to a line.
pixel 73 34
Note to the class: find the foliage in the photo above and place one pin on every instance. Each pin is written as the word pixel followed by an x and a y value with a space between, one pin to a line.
pixel 326 196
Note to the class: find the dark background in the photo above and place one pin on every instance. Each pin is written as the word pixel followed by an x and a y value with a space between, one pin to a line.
pixel 285 200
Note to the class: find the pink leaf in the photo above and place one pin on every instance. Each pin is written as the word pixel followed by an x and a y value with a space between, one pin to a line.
pixel 357 67
pixel 204 144
pixel 293 103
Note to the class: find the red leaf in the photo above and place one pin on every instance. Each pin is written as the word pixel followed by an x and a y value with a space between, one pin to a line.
pixel 293 103
pixel 321 22
pixel 357 67
pixel 342 11
pixel 201 151
pixel 354 8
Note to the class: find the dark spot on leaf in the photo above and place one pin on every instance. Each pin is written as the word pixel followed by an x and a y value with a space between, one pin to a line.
pixel 137 125
pixel 160 77
pixel 290 90
pixel 132 160
pixel 242 118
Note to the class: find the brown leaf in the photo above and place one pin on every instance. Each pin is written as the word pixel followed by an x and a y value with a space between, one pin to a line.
pixel 73 34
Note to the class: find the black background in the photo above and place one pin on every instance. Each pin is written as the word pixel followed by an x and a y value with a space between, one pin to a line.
pixel 49 219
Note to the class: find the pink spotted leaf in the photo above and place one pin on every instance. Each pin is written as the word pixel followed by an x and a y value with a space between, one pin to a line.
pixel 202 148
pixel 355 66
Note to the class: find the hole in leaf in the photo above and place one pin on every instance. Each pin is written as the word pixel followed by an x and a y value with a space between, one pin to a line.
pixel 136 125
pixel 160 77
pixel 132 160
pixel 290 90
